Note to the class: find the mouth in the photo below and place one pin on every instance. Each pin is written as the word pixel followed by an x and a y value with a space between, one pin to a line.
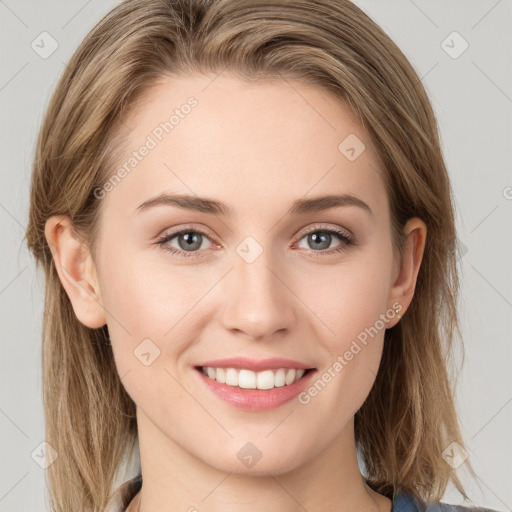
pixel 255 390
pixel 248 379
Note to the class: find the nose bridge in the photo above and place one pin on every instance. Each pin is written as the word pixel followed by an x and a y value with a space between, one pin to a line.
pixel 258 302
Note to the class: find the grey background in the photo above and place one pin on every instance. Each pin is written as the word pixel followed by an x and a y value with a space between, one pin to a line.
pixel 472 96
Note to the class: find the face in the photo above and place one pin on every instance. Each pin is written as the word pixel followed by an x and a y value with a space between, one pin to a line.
pixel 269 274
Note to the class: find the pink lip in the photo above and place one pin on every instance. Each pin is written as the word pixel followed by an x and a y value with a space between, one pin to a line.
pixel 256 399
pixel 256 365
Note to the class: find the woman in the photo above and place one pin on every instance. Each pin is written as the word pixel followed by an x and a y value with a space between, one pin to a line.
pixel 246 226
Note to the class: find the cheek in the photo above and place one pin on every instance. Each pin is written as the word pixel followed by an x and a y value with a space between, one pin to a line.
pixel 353 299
pixel 150 308
pixel 147 297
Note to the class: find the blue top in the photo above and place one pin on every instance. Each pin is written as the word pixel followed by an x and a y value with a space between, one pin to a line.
pixel 403 502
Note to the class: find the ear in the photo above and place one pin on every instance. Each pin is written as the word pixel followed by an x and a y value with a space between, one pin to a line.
pixel 406 270
pixel 76 271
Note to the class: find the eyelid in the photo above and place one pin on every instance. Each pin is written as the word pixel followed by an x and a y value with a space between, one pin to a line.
pixel 311 229
pixel 183 229
pixel 318 227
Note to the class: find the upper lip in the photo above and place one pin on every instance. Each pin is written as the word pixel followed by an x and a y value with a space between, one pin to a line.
pixel 255 364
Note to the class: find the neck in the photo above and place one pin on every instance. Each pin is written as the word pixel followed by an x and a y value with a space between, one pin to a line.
pixel 174 479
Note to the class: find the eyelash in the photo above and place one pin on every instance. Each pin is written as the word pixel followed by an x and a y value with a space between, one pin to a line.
pixel 343 236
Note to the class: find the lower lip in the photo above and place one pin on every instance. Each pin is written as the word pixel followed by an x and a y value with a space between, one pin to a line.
pixel 256 399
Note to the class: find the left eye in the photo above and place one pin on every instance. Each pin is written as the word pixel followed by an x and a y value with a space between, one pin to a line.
pixel 321 239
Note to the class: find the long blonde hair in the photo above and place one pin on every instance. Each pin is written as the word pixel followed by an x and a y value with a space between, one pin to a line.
pixel 409 417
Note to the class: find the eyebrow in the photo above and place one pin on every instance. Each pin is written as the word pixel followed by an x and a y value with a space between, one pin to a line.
pixel 211 206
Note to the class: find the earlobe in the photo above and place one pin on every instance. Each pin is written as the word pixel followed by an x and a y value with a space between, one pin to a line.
pixel 402 292
pixel 76 271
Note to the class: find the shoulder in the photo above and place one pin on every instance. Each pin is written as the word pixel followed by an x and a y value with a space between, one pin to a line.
pixel 405 502
pixel 124 494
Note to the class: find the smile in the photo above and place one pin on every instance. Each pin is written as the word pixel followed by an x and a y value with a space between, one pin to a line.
pixel 248 379
pixel 255 390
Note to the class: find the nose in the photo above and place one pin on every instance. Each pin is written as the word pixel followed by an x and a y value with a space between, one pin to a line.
pixel 259 302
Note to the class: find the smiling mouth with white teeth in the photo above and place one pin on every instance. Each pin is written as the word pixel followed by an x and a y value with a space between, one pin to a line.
pixel 248 379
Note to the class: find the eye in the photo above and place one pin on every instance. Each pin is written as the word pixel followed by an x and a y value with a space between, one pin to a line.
pixel 321 238
pixel 189 242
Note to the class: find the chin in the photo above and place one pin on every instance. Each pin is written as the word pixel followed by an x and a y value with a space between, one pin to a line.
pixel 255 459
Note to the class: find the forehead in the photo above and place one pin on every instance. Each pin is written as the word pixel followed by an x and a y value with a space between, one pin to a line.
pixel 266 140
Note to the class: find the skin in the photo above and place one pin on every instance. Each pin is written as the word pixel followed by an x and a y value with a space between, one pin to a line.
pixel 257 147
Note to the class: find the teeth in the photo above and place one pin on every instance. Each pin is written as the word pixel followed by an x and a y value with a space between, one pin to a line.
pixel 247 379
pixel 280 377
pixel 219 375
